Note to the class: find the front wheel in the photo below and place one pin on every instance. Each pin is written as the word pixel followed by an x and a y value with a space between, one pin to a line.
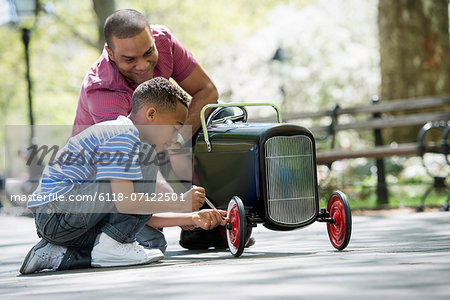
pixel 340 230
pixel 236 228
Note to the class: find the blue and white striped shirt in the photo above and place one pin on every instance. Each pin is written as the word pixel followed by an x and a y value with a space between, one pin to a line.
pixel 107 150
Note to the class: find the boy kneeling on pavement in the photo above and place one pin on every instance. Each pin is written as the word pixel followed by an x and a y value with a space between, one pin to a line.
pixel 111 229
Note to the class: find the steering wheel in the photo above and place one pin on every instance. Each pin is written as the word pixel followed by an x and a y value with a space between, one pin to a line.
pixel 228 119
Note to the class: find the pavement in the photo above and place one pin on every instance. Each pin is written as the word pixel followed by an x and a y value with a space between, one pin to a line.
pixel 391 255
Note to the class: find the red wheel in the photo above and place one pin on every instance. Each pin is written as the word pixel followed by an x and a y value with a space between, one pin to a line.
pixel 341 230
pixel 236 227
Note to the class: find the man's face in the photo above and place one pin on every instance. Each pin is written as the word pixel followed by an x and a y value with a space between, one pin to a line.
pixel 135 57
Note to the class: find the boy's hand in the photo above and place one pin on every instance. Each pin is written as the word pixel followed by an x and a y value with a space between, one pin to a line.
pixel 209 218
pixel 197 194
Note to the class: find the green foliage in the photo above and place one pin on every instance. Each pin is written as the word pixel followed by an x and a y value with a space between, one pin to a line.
pixel 60 54
pixel 12 84
pixel 198 24
pixel 61 48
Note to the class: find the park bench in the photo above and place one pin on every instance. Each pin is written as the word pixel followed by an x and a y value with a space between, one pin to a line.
pixel 378 115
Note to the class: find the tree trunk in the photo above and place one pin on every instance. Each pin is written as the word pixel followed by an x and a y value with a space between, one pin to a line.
pixel 414 52
pixel 102 8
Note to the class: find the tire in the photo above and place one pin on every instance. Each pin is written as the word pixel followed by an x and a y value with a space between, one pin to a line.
pixel 340 231
pixel 237 227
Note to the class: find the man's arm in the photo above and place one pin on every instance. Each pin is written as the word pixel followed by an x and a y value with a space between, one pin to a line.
pixel 162 186
pixel 203 91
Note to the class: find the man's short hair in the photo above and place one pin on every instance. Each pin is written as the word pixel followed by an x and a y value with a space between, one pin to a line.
pixel 124 24
pixel 160 93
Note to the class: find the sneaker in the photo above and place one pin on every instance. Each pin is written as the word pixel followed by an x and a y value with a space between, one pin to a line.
pixel 43 255
pixel 108 252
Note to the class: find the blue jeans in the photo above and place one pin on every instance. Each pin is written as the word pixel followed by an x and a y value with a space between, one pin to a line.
pixel 63 223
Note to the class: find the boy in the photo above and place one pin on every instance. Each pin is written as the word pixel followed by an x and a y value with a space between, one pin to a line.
pixel 102 232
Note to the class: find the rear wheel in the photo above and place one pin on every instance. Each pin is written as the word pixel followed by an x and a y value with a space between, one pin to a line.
pixel 340 230
pixel 237 227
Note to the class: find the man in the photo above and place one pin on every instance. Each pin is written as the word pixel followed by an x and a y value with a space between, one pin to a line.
pixel 135 52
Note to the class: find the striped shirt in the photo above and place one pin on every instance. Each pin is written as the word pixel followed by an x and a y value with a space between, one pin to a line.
pixel 109 150
pixel 105 93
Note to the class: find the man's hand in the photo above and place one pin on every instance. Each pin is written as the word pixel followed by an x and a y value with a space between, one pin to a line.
pixel 197 194
pixel 209 218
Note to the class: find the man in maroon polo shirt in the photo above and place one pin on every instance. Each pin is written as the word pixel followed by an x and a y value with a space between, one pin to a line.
pixel 136 51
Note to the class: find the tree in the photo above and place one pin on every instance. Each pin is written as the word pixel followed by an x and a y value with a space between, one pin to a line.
pixel 102 8
pixel 414 51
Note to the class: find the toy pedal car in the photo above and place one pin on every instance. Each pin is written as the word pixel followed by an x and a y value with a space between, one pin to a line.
pixel 264 173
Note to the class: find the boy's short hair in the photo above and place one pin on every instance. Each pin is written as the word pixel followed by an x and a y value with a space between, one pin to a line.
pixel 160 93
pixel 124 24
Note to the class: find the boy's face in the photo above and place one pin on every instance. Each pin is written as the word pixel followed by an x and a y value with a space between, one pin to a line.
pixel 168 124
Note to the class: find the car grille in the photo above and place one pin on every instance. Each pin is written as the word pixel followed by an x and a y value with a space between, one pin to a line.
pixel 290 174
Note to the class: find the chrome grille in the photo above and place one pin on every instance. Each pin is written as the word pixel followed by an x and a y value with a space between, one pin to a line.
pixel 290 170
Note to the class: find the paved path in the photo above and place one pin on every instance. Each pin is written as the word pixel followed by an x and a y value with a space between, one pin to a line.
pixel 393 256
